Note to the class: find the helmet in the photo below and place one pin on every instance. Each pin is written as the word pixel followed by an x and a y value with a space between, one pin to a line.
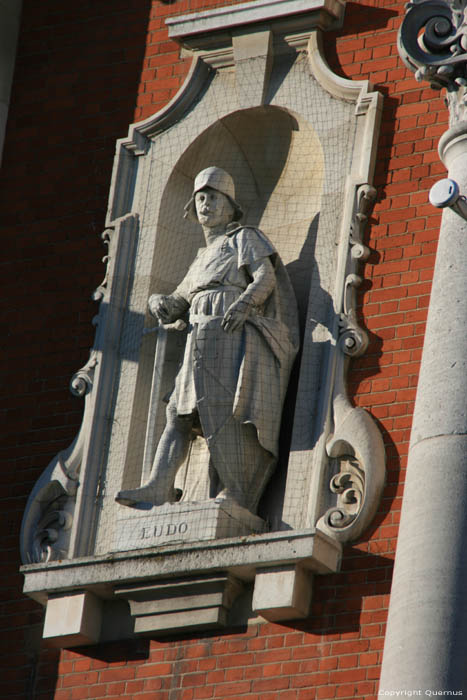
pixel 219 180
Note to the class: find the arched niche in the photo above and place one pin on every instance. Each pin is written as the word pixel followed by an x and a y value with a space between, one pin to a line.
pixel 277 163
pixel 311 149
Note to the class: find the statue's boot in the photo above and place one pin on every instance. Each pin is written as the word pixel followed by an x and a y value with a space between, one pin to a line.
pixel 170 454
pixel 243 465
pixel 232 496
pixel 149 493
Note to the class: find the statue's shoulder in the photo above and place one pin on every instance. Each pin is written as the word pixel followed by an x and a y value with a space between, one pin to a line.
pixel 251 242
pixel 242 230
pixel 234 228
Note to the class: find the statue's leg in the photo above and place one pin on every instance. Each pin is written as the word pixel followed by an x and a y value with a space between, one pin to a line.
pixel 170 455
pixel 243 465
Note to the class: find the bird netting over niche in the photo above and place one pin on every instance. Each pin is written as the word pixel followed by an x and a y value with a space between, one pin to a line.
pixel 218 445
pixel 228 314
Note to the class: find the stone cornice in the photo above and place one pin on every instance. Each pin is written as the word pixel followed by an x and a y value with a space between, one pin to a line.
pixel 313 549
pixel 203 30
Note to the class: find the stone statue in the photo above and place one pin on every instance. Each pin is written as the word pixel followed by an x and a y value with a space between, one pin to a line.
pixel 241 343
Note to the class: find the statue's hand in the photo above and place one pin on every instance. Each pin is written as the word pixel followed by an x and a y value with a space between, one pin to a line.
pixel 236 315
pixel 159 307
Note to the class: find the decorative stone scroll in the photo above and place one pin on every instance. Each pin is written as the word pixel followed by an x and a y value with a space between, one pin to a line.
pixel 432 42
pixel 260 104
pixel 355 445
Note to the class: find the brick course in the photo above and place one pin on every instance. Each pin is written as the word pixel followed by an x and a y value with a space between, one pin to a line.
pixel 84 72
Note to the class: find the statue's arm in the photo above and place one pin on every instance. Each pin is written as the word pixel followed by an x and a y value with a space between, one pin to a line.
pixel 259 289
pixel 167 309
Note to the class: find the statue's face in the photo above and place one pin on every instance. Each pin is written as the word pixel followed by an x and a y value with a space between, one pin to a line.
pixel 213 208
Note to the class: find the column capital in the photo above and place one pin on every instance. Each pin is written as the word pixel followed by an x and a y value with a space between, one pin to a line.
pixel 453 144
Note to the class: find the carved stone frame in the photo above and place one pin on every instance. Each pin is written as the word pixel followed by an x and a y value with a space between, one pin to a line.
pixel 193 585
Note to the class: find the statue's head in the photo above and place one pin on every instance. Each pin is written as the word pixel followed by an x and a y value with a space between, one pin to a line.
pixel 217 180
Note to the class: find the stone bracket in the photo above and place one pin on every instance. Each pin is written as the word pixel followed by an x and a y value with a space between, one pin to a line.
pixel 282 593
pixel 177 605
pixel 181 604
pixel 73 619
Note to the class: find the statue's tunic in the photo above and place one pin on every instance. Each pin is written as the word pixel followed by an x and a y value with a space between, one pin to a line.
pixel 243 373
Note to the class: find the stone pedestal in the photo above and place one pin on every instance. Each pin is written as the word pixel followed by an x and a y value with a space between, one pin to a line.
pixel 183 522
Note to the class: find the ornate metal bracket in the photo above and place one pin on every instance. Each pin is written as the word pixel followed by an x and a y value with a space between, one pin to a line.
pixel 433 43
pixel 355 447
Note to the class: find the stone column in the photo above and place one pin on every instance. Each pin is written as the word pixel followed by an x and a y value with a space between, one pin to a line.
pixel 426 640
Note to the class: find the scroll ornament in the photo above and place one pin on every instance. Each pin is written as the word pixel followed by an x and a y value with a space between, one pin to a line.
pixel 355 447
pixel 432 42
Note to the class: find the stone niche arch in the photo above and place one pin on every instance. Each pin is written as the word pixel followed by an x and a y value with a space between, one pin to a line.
pixel 276 160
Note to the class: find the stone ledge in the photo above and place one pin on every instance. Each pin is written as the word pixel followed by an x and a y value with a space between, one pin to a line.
pixel 240 556
pixel 148 591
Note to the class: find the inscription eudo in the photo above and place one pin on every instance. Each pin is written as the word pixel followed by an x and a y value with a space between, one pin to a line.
pixel 164 530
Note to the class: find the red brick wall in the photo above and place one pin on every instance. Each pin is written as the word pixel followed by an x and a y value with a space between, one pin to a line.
pixel 84 72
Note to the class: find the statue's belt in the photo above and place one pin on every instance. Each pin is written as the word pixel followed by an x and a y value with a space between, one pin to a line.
pixel 204 318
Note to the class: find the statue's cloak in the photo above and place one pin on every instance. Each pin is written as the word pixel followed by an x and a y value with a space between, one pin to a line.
pixel 241 374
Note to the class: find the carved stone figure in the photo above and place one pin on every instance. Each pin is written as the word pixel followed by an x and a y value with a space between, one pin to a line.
pixel 241 343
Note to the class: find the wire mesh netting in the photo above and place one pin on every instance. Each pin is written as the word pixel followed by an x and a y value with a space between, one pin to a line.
pixel 197 409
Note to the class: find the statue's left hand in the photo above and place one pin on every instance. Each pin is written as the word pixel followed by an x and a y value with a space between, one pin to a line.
pixel 235 316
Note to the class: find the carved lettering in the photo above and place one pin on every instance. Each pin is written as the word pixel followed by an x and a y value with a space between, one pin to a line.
pixel 164 530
